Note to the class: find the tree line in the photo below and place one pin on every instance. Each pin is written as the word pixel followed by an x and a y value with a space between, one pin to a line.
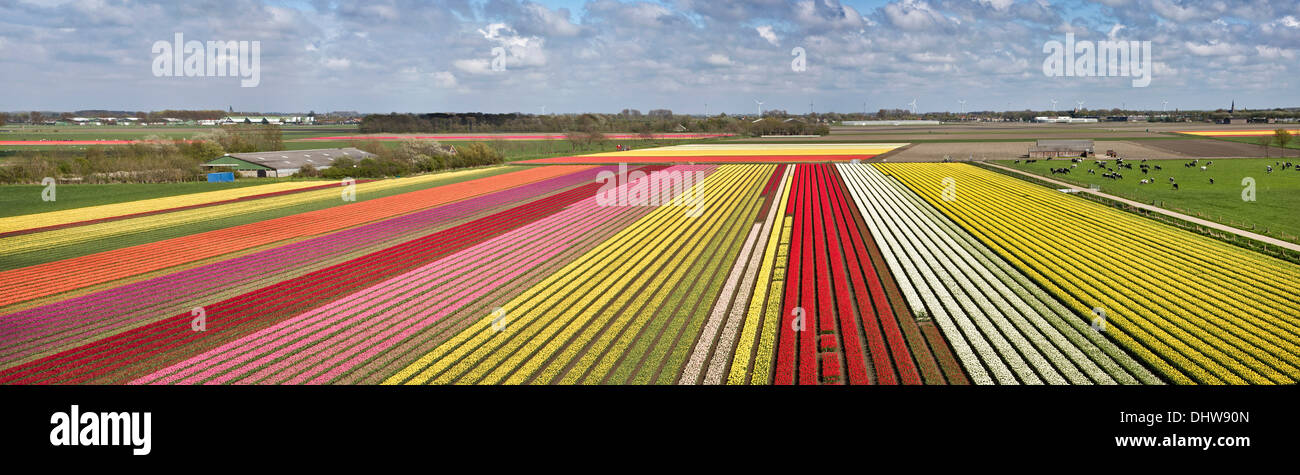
pixel 152 160
pixel 408 157
pixel 658 121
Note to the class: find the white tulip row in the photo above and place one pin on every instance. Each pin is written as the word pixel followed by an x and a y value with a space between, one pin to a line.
pixel 1016 330
pixel 1111 364
pixel 926 302
pixel 740 283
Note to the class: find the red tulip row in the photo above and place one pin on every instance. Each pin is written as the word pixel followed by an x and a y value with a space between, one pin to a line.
pixel 164 342
pixel 843 307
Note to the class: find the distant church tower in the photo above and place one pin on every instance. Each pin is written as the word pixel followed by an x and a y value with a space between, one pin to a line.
pixel 1234 107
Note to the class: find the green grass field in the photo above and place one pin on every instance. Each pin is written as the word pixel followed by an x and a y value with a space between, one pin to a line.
pixel 1273 213
pixel 18 200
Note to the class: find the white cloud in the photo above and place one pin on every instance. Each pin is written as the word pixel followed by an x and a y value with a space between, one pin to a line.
pixel 554 23
pixel 1213 48
pixel 718 60
pixel 473 66
pixel 1114 31
pixel 768 34
pixel 913 15
pixel 444 79
pixel 999 5
pixel 337 63
pixel 642 53
pixel 1273 53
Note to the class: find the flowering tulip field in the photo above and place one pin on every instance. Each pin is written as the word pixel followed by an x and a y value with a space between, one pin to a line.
pixel 743 265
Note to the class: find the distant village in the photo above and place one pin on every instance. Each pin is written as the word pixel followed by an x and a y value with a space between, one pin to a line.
pixel 237 119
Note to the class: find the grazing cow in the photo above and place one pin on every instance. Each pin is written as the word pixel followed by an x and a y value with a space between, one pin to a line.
pixel 1175 186
pixel 1158 167
pixel 1202 167
pixel 1270 169
pixel 1211 180
pixel 1171 179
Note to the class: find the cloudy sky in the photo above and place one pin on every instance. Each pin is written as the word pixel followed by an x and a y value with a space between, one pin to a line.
pixel 606 55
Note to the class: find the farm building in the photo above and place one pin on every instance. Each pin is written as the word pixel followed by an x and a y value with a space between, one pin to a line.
pixel 281 163
pixel 1061 148
pixel 1065 120
pixel 275 120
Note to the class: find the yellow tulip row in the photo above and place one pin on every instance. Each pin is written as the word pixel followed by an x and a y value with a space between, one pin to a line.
pixel 1110 283
pixel 737 212
pixel 1213 309
pixel 543 318
pixel 92 232
pixel 765 304
pixel 54 218
pixel 1195 309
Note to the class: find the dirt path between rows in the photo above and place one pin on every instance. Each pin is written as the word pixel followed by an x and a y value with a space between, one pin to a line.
pixel 1190 219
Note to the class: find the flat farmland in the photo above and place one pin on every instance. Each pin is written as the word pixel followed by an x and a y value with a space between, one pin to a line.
pixel 714 264
pixel 1211 148
pixel 1277 194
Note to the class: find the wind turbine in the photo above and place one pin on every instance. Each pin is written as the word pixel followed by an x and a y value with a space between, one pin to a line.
pixel 543 110
pixel 1079 106
pixel 1053 105
pixel 1164 106
pixel 760 108
pixel 963 106
pixel 913 105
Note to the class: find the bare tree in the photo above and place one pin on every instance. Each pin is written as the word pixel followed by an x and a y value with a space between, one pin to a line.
pixel 574 139
pixel 1282 137
pixel 1264 141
